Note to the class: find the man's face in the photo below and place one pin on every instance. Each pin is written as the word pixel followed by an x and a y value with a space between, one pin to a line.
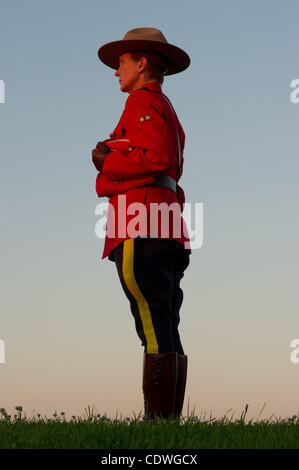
pixel 128 73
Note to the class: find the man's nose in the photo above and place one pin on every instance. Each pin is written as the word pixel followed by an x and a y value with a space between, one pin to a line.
pixel 117 73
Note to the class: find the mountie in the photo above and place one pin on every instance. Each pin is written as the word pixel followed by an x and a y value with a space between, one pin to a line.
pixel 110 460
pixel 146 174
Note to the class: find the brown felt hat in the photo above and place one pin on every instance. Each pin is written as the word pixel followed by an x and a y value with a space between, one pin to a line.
pixel 145 39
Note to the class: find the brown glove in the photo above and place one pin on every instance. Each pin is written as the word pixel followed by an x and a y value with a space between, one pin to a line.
pixel 99 154
pixel 102 147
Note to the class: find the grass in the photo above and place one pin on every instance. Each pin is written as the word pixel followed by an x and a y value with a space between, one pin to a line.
pixel 94 431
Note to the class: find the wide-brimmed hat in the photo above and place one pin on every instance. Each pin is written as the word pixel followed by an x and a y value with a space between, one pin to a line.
pixel 145 39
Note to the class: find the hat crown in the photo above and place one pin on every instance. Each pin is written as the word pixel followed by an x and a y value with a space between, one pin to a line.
pixel 145 34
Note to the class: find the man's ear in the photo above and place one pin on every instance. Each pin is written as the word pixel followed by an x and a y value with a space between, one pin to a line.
pixel 142 64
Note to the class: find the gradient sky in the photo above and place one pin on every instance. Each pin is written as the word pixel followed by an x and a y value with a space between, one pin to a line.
pixel 69 335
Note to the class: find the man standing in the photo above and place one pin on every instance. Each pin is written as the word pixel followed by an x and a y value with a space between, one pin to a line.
pixel 146 170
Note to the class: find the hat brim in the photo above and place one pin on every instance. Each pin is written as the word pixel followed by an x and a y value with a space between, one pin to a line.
pixel 178 59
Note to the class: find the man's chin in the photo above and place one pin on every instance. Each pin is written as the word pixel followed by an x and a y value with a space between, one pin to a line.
pixel 124 89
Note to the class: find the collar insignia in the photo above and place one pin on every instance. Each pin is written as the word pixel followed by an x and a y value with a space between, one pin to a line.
pixel 145 118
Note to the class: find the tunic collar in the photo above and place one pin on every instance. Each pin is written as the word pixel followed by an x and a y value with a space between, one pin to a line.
pixel 155 86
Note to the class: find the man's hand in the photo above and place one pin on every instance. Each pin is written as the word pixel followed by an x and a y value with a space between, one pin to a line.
pixel 99 154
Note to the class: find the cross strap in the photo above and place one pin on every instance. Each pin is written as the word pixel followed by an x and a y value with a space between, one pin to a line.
pixel 179 155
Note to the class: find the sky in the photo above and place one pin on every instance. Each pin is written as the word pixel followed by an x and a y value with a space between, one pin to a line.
pixel 66 326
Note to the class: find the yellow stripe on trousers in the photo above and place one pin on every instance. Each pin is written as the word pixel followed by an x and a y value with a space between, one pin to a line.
pixel 144 311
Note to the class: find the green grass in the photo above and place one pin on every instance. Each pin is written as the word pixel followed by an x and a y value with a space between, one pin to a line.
pixel 95 431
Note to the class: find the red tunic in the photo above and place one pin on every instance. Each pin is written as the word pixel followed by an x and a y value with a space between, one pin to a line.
pixel 151 127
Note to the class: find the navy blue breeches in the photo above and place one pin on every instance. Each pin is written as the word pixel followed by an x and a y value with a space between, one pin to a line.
pixel 150 271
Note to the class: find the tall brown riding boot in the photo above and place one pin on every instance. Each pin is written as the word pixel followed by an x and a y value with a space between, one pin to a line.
pixel 181 384
pixel 159 384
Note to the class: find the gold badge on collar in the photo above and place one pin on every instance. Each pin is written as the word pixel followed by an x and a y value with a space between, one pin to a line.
pixel 145 118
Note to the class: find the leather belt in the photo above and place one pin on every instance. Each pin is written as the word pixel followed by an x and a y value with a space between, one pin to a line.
pixel 166 182
pixel 162 180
